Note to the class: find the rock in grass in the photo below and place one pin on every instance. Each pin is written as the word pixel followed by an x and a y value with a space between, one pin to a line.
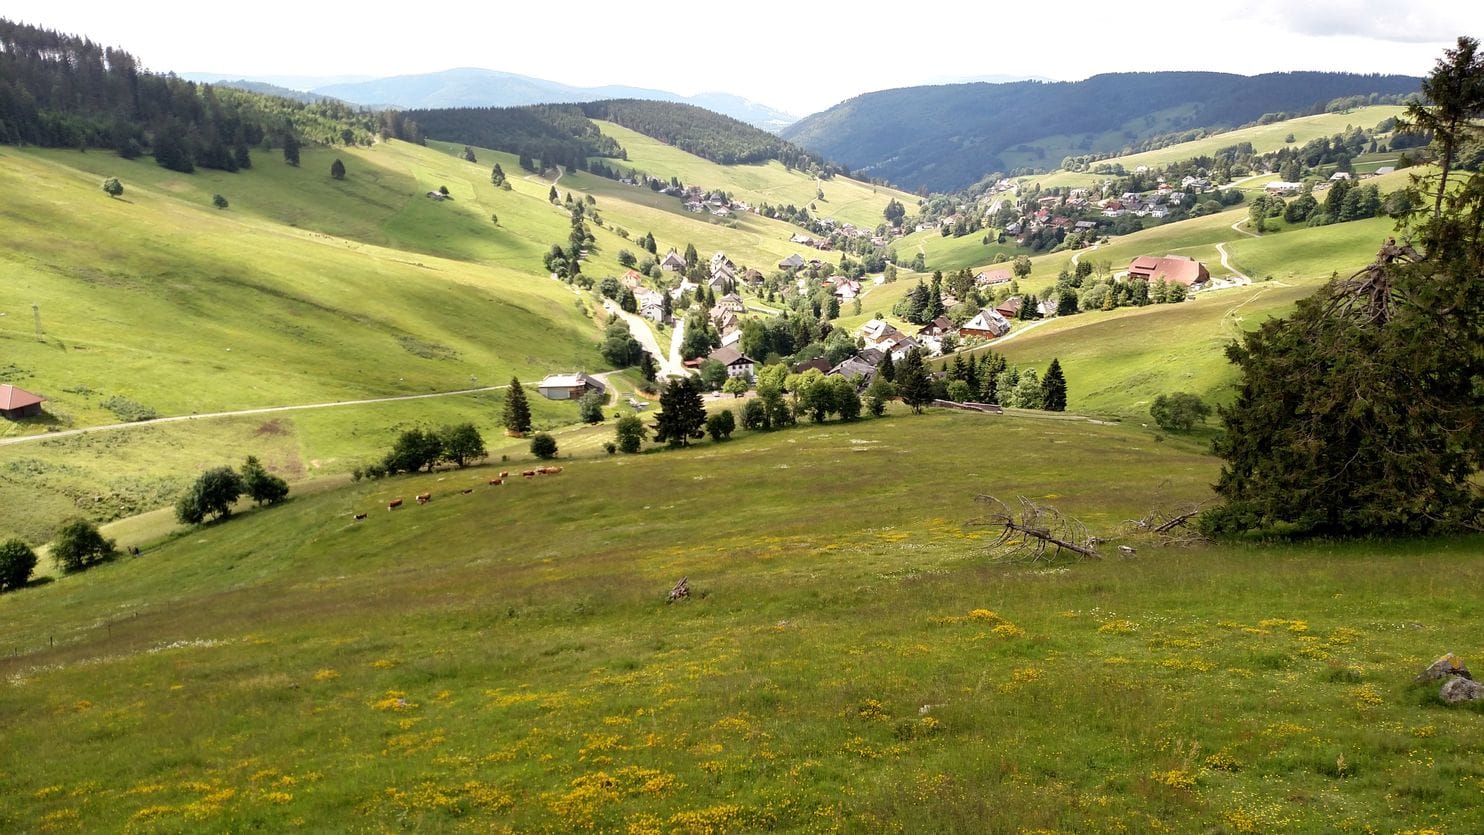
pixel 1458 690
pixel 1448 665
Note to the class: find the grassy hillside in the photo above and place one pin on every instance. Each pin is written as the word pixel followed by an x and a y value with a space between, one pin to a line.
pixel 506 659
pixel 1264 139
pixel 845 200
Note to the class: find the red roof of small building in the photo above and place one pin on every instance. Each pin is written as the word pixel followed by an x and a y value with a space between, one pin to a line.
pixel 1174 268
pixel 15 398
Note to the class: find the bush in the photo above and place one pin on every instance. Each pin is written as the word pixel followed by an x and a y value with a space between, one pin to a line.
pixel 264 487
pixel 218 201
pixel 629 433
pixel 1178 412
pixel 590 407
pixel 754 415
pixel 80 546
pixel 461 444
pixel 543 445
pixel 721 425
pixel 17 561
pixel 212 494
pixel 414 450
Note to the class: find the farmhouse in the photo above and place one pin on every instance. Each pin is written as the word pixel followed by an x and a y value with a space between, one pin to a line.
pixel 569 386
pixel 737 363
pixel 1173 268
pixel 672 262
pixel 856 370
pixel 732 302
pixel 1281 187
pixel 988 325
pixel 1009 308
pixel 16 403
pixel 792 262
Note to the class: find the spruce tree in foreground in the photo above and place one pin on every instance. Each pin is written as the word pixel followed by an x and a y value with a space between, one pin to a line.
pixel 1362 413
pixel 517 417
pixel 1054 389
pixel 913 384
pixel 682 414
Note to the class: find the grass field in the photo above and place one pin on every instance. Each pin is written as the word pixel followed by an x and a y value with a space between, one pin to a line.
pixel 1264 139
pixel 851 659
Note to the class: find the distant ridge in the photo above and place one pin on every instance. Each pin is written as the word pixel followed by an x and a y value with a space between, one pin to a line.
pixel 475 87
pixel 948 136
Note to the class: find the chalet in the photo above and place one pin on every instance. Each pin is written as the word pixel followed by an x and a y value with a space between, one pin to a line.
pixel 732 302
pixel 819 364
pixel 792 262
pixel 847 289
pixel 855 370
pixel 1281 187
pixel 752 276
pixel 737 363
pixel 721 282
pixel 1173 268
pixel 1085 225
pixel 899 346
pixel 931 334
pixel 721 211
pixel 17 403
pixel 1009 308
pixel 654 312
pixel 672 262
pixel 801 238
pixel 569 386
pixel 1339 175
pixel 990 323
pixel 721 263
pixel 872 356
pixel 631 280
pixel 875 331
pixel 725 320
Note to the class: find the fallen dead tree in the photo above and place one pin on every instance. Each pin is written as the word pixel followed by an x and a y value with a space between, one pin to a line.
pixel 1036 532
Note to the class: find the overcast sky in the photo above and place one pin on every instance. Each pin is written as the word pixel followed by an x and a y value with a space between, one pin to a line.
pixel 791 54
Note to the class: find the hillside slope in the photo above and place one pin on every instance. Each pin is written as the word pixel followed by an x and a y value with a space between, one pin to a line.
pixel 946 137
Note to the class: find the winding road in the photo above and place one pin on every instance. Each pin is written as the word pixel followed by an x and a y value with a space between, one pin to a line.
pixel 1226 262
pixel 669 361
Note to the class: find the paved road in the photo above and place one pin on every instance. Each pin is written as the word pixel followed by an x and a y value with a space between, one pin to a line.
pixel 1237 227
pixel 261 411
pixel 675 340
pixel 640 330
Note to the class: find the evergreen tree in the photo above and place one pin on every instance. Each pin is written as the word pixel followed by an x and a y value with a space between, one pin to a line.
pixel 1453 102
pixel 1054 389
pixel 497 175
pixel 517 415
pixel 337 169
pixel 692 258
pixel 887 370
pixel 682 414
pixel 291 150
pixel 914 385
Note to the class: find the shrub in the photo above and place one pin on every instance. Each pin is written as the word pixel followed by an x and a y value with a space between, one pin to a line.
pixel 212 494
pixel 1178 412
pixel 629 433
pixel 264 487
pixel 754 415
pixel 543 445
pixel 218 201
pixel 590 407
pixel 17 561
pixel 461 443
pixel 80 546
pixel 721 425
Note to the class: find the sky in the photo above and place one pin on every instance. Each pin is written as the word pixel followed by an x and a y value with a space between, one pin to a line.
pixel 797 56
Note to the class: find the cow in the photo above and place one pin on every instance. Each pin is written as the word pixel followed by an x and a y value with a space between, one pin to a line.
pixel 467 492
pixel 553 470
pixel 360 517
pixel 504 475
pixel 496 482
pixel 424 498
pixel 528 474
pixel 393 504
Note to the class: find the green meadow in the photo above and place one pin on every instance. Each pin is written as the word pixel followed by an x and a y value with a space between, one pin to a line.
pixel 854 655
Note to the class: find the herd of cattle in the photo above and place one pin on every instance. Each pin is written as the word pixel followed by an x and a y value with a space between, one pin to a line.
pixel 424 498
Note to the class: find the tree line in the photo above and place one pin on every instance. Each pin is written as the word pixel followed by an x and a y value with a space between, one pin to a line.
pixel 63 91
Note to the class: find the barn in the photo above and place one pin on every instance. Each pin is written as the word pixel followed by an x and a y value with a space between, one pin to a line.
pixel 17 403
pixel 569 386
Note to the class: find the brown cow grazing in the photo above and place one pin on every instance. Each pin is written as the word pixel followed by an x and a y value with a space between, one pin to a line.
pixel 504 476
pixel 360 517
pixel 528 474
pixel 553 470
pixel 496 482
pixel 467 492
pixel 393 504
pixel 424 498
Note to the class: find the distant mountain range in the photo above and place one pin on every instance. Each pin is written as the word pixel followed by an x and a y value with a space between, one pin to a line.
pixel 473 87
pixel 947 137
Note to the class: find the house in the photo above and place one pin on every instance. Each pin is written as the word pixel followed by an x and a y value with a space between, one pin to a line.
pixel 721 263
pixel 1009 308
pixel 569 386
pixel 856 370
pixel 1385 169
pixel 871 356
pixel 1339 175
pixel 752 276
pixel 819 364
pixel 931 334
pixel 900 345
pixel 1173 268
pixel 989 324
pixel 1281 187
pixel 847 289
pixel 631 280
pixel 1085 225
pixel 725 320
pixel 17 403
pixel 876 330
pixel 792 262
pixel 732 302
pixel 801 238
pixel 673 262
pixel 737 363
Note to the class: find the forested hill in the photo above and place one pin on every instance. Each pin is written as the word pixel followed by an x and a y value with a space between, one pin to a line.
pixel 946 137
pixel 566 134
pixel 59 90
